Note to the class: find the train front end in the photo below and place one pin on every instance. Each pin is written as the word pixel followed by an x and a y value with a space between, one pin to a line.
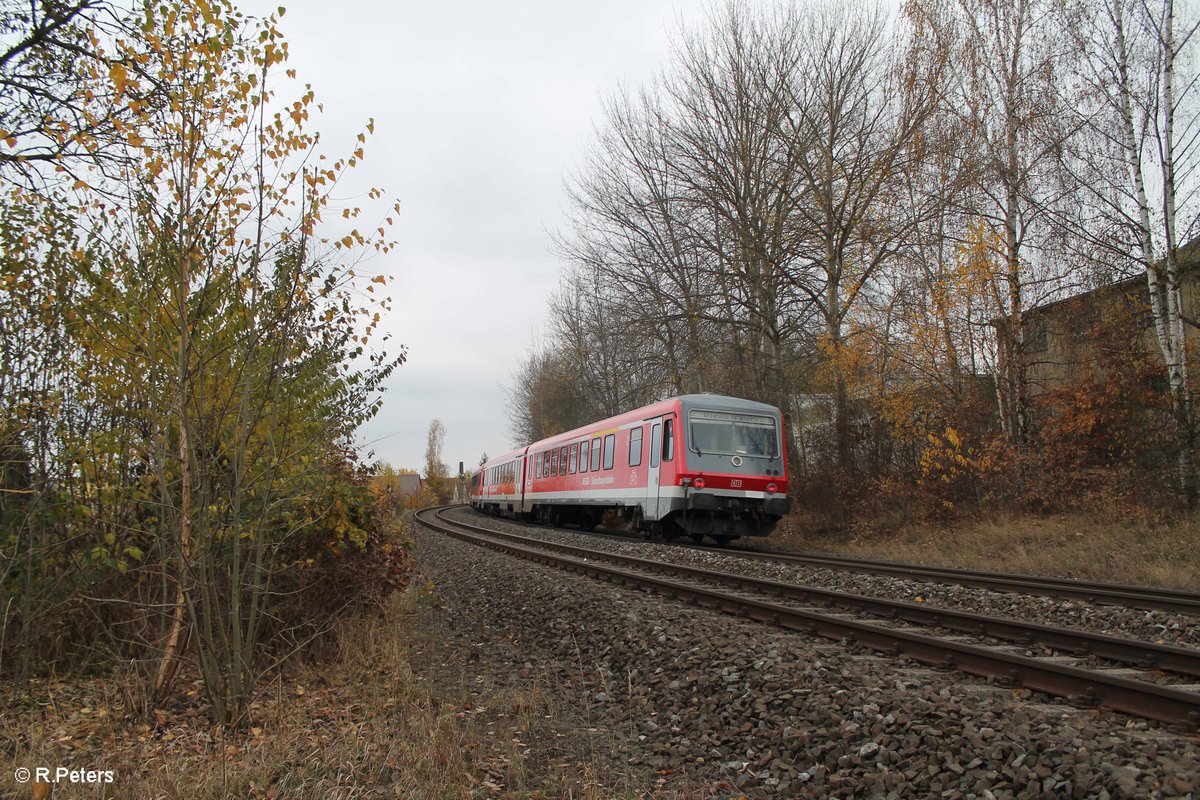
pixel 731 478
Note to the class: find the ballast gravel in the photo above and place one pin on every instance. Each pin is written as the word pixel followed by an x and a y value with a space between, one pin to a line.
pixel 1155 626
pixel 696 697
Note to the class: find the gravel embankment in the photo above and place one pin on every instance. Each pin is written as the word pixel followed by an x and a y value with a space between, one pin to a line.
pixel 740 708
pixel 1155 626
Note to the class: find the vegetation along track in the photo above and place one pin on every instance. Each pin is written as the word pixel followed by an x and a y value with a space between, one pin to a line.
pixel 1114 688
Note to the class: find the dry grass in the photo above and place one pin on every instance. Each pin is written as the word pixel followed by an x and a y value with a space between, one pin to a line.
pixel 1098 545
pixel 394 713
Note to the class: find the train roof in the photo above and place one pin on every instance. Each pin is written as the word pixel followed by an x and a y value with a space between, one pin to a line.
pixel 686 402
pixel 721 402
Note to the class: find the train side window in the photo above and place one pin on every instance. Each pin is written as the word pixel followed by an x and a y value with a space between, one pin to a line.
pixel 537 465
pixel 654 445
pixel 583 456
pixel 574 458
pixel 668 440
pixel 554 463
pixel 595 454
pixel 562 460
pixel 635 447
pixel 610 448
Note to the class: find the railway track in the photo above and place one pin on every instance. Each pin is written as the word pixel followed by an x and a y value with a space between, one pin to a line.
pixel 901 629
pixel 1146 598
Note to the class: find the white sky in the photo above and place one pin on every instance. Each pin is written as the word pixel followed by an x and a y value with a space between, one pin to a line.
pixel 481 109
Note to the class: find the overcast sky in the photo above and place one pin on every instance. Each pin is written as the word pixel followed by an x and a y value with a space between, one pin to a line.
pixel 481 109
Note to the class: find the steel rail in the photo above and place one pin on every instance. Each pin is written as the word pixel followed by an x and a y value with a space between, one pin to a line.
pixel 1143 597
pixel 1143 654
pixel 1161 703
pixel 1148 598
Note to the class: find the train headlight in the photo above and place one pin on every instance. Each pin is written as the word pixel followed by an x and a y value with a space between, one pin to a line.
pixel 771 488
pixel 699 483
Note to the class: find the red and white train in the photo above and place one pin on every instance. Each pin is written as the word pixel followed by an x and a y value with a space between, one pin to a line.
pixel 699 464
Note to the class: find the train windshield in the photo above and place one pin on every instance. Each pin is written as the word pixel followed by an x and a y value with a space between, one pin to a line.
pixel 733 434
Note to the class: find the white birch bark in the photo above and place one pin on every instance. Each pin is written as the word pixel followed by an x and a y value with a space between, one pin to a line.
pixel 1166 306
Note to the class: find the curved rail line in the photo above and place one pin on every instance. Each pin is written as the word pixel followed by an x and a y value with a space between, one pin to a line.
pixel 1176 601
pixel 1080 685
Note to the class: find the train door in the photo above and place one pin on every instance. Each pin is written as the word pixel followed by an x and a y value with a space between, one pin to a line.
pixel 518 482
pixel 653 509
pixel 530 465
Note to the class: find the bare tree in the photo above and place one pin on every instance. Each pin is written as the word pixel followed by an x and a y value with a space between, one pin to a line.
pixel 853 132
pixel 1003 63
pixel 1144 122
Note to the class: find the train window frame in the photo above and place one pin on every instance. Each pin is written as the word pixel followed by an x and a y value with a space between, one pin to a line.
pixel 584 454
pixel 668 440
pixel 655 443
pixel 573 458
pixel 733 422
pixel 635 444
pixel 596 454
pixel 610 450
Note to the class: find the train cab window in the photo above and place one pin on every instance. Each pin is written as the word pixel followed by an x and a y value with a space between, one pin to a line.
pixel 610 448
pixel 574 458
pixel 583 456
pixel 595 454
pixel 668 440
pixel 553 463
pixel 655 442
pixel 635 447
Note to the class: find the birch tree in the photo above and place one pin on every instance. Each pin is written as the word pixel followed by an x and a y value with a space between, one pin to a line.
pixel 245 322
pixel 1003 65
pixel 1143 120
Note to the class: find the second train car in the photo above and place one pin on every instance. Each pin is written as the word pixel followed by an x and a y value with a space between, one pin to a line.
pixel 698 464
